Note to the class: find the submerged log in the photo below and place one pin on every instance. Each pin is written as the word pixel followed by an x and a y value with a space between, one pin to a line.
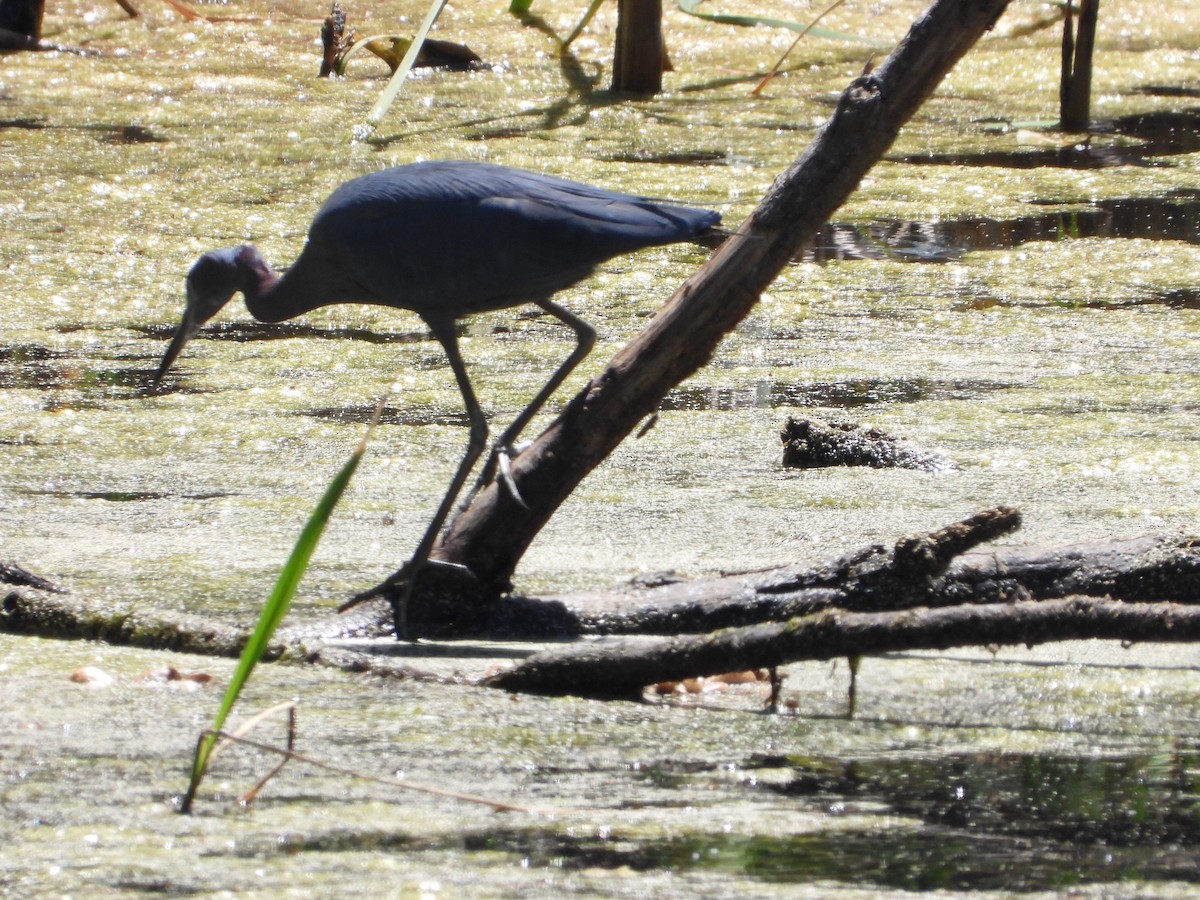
pixel 814 444
pixel 30 611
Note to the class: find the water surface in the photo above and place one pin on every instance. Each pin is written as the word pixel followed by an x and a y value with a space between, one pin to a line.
pixel 1036 324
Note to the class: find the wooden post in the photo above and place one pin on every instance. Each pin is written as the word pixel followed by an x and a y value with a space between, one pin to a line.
pixel 638 60
pixel 22 17
pixel 1078 47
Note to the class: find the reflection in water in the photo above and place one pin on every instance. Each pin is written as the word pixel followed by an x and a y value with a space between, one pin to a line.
pixel 408 415
pixel 1175 217
pixel 850 394
pixel 123 496
pixel 1162 133
pixel 986 821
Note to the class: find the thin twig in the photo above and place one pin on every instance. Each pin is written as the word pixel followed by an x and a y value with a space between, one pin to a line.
pixel 497 805
pixel 788 52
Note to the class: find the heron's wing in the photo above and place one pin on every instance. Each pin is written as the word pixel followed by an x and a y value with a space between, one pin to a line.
pixel 482 237
pixel 600 213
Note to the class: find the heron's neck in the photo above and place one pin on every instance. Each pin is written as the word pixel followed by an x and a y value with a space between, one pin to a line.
pixel 258 283
pixel 305 286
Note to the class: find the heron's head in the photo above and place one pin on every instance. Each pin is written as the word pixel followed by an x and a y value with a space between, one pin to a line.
pixel 211 283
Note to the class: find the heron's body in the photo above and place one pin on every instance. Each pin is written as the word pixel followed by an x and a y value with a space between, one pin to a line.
pixel 444 240
pixel 448 239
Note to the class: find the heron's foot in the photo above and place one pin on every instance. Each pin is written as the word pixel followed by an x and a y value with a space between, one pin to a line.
pixel 401 580
pixel 433 565
pixel 504 457
pixel 447 589
pixel 499 468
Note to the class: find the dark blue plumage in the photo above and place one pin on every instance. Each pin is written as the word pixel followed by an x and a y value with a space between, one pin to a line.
pixel 444 240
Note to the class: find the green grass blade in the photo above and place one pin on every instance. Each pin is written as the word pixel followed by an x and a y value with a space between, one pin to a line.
pixel 588 15
pixel 692 8
pixel 389 93
pixel 273 612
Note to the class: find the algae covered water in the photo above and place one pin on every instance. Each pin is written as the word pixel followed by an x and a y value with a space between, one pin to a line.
pixel 1022 302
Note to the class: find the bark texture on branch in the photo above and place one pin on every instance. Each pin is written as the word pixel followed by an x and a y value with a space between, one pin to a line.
pixel 492 534
pixel 874 579
pixel 940 568
pixel 27 610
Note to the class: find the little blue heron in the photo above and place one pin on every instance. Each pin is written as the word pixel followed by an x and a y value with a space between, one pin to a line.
pixel 444 240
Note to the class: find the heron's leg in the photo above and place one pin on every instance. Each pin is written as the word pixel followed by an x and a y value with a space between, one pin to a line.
pixel 585 339
pixel 443 330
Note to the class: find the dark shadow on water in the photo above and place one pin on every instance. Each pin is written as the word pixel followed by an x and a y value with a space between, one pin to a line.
pixel 434 650
pixel 836 394
pixel 408 415
pixel 241 332
pixel 761 395
pixel 987 821
pixel 1120 800
pixel 123 496
pixel 24 124
pixel 34 367
pixel 109 134
pixel 672 157
pixel 1150 136
pixel 1168 90
pixel 30 366
pixel 126 134
pixel 1173 217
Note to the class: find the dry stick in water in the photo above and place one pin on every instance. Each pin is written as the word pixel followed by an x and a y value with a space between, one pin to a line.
pixel 288 753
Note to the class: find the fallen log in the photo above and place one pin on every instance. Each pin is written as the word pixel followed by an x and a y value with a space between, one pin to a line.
pixel 927 591
pixel 620 669
pixel 53 613
pixel 936 569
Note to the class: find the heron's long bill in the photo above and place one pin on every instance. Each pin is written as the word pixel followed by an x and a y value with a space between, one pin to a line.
pixel 185 332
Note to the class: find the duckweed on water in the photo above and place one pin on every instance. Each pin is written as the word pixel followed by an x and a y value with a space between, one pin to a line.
pixel 1045 339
